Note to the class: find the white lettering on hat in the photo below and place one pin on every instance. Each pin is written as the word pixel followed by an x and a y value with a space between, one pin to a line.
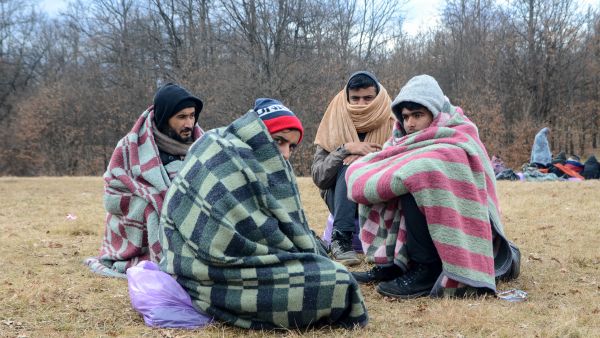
pixel 264 112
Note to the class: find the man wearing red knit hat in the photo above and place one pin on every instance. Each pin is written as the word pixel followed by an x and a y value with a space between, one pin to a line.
pixel 235 236
pixel 283 125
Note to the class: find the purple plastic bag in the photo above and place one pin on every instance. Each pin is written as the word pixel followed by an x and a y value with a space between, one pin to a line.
pixel 160 299
pixel 356 244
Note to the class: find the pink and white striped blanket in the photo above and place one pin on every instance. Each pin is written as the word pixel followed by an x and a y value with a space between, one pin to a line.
pixel 447 170
pixel 135 184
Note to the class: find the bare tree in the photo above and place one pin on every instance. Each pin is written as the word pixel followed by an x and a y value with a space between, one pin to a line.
pixel 514 66
pixel 374 27
pixel 19 56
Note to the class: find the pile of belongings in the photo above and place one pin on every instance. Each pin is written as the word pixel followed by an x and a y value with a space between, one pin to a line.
pixel 501 171
pixel 573 168
pixel 591 168
pixel 542 167
pixel 560 169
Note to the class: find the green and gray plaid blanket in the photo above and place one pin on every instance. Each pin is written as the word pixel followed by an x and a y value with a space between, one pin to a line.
pixel 235 236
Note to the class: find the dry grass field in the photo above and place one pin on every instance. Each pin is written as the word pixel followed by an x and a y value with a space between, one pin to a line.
pixel 46 291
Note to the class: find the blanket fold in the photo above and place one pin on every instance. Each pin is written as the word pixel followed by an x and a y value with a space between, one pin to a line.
pixel 447 170
pixel 235 236
pixel 135 184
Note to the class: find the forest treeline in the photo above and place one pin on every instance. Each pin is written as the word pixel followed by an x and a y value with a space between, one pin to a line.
pixel 72 84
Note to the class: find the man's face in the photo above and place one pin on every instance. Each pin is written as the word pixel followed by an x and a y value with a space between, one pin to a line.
pixel 416 120
pixel 287 141
pixel 181 125
pixel 361 96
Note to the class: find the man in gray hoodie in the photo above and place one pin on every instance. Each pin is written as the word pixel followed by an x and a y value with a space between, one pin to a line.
pixel 411 110
pixel 432 161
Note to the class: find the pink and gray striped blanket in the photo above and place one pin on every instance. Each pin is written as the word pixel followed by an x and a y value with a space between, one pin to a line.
pixel 135 184
pixel 447 170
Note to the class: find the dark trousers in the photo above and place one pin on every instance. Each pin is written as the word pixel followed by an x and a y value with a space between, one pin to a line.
pixel 419 244
pixel 342 209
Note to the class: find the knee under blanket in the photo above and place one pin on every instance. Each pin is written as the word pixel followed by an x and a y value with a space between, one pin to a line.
pixel 235 236
pixel 135 184
pixel 447 170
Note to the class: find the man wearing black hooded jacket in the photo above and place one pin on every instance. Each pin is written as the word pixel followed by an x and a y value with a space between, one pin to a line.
pixel 175 115
pixel 138 176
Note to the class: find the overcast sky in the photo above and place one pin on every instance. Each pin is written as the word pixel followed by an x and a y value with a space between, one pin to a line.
pixel 420 14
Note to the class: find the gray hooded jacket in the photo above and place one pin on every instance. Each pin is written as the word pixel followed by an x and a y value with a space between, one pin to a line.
pixel 421 89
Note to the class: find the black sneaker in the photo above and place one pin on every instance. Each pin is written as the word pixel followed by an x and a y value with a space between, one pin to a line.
pixel 378 274
pixel 341 248
pixel 416 282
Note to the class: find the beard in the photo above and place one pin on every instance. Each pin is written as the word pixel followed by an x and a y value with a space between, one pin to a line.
pixel 172 133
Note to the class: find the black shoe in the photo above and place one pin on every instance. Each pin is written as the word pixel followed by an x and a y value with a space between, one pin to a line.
pixel 378 274
pixel 341 248
pixel 416 282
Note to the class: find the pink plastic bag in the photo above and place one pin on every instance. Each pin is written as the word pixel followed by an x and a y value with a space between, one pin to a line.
pixel 160 299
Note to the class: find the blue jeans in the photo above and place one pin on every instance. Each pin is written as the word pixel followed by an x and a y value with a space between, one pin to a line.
pixel 343 210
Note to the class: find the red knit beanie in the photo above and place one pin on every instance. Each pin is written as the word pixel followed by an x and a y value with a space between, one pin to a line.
pixel 276 116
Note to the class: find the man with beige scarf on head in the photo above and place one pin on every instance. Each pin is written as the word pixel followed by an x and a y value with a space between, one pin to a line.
pixel 357 122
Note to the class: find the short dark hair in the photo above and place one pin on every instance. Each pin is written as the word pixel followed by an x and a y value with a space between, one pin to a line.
pixel 410 106
pixel 362 81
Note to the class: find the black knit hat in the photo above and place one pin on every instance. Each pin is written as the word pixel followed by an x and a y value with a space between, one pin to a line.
pixel 170 99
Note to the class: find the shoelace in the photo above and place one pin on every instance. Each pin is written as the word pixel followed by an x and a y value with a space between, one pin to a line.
pixel 375 271
pixel 409 278
pixel 346 246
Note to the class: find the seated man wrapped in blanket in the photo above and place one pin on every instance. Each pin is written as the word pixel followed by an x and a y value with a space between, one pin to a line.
pixel 137 178
pixel 428 208
pixel 235 236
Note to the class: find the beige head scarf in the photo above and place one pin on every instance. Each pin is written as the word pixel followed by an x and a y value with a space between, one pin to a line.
pixel 342 121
